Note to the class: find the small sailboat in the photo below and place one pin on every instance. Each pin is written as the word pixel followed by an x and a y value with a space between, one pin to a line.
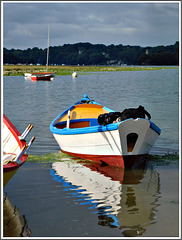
pixel 15 148
pixel 44 76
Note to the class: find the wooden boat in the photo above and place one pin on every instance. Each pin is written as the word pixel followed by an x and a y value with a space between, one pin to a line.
pixel 15 148
pixel 122 144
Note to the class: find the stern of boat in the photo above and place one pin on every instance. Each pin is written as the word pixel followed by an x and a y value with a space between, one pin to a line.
pixel 137 136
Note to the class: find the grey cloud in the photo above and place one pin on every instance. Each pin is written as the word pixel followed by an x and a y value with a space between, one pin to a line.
pixel 144 24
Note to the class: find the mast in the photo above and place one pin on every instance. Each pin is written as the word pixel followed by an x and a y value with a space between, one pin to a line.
pixel 48 49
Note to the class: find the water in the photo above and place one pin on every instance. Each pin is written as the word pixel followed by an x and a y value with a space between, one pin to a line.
pixel 40 102
pixel 73 199
pixel 86 200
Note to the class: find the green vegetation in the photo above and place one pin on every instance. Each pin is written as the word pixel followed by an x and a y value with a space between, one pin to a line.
pixel 88 54
pixel 52 157
pixel 155 160
pixel 47 158
pixel 164 160
pixel 13 70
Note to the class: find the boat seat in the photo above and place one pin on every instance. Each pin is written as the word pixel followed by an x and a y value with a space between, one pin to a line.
pixel 78 123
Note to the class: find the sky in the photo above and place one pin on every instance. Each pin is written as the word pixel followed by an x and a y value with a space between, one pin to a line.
pixel 25 24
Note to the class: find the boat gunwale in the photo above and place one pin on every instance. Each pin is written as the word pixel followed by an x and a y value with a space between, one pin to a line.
pixel 96 128
pixel 75 105
pixel 91 129
pixel 13 165
pixel 13 130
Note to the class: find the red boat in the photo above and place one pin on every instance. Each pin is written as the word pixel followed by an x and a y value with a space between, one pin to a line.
pixel 15 148
pixel 45 76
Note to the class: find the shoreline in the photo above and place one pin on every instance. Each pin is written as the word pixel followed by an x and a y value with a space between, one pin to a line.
pixel 20 70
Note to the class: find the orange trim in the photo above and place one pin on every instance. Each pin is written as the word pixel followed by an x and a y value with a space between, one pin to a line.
pixel 41 73
pixel 86 105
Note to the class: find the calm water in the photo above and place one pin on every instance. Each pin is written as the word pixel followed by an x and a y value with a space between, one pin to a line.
pixel 62 198
pixel 39 103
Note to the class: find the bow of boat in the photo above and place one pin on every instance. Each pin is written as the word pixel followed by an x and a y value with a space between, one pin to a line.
pixel 15 148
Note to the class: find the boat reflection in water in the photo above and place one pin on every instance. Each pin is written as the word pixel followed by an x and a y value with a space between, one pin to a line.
pixel 14 224
pixel 122 198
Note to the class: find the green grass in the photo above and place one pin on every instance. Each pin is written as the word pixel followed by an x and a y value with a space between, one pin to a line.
pixel 155 160
pixel 19 70
pixel 164 160
pixel 48 158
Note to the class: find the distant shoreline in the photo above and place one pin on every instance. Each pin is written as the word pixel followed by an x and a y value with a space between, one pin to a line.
pixel 20 70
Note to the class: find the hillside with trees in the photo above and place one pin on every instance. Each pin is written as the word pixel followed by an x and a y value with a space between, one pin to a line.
pixel 95 54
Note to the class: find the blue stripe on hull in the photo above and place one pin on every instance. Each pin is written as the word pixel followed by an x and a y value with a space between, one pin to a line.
pixel 155 128
pixel 94 129
pixel 94 126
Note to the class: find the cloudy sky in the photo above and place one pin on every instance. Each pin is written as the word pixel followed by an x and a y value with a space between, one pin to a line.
pixel 25 24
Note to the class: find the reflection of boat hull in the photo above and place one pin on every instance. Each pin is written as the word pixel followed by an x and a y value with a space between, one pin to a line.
pixel 11 169
pixel 138 202
pixel 114 173
pixel 44 76
pixel 91 183
pixel 14 224
pixel 122 198
pixel 120 144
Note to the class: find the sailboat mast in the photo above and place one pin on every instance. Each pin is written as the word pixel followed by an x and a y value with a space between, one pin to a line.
pixel 48 49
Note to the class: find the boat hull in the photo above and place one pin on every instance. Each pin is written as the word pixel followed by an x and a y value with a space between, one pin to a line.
pixel 11 146
pixel 42 76
pixel 111 147
pixel 122 144
pixel 10 170
pixel 28 75
pixel 113 160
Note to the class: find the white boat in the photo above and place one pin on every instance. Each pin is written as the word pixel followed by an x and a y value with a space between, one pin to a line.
pixel 28 75
pixel 123 143
pixel 15 148
pixel 74 74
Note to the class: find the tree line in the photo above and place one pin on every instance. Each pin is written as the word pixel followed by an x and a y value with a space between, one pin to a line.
pixel 95 54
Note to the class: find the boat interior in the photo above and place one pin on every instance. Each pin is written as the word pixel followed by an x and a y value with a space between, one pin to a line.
pixel 81 116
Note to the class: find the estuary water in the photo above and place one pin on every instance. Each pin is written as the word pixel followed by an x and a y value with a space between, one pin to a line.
pixel 40 102
pixel 59 197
